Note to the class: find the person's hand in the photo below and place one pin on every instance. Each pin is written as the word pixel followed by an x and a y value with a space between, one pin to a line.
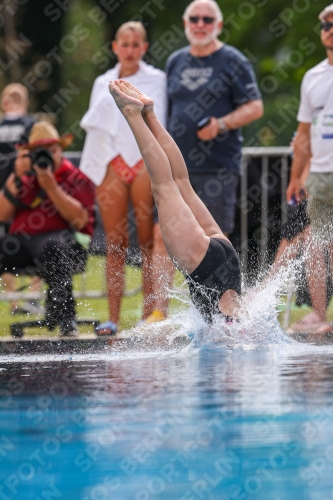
pixel 22 163
pixel 295 189
pixel 45 178
pixel 210 131
pixel 11 185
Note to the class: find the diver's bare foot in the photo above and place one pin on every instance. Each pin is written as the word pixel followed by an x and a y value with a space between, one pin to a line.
pixel 124 101
pixel 132 91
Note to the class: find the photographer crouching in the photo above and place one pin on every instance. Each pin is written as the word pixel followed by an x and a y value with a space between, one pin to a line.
pixel 50 204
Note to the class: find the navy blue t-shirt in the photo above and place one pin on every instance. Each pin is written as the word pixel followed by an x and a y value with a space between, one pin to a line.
pixel 198 87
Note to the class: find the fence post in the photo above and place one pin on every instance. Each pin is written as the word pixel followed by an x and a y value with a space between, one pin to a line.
pixel 264 211
pixel 244 223
pixel 284 183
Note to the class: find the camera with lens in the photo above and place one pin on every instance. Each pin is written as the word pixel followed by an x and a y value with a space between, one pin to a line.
pixel 42 158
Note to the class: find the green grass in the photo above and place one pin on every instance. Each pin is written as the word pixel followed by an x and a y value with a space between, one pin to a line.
pixel 91 308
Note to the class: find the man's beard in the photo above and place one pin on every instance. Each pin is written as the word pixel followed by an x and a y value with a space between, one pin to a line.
pixel 328 43
pixel 203 41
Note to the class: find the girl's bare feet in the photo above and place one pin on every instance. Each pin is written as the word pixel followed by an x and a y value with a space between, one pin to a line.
pixel 132 91
pixel 124 101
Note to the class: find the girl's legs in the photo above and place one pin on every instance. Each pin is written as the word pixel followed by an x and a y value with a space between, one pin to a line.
pixel 177 164
pixel 185 222
pixel 113 198
pixel 8 280
pixel 143 206
pixel 185 240
pixel 163 273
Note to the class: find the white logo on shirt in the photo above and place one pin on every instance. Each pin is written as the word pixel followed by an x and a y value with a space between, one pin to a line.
pixel 10 133
pixel 193 78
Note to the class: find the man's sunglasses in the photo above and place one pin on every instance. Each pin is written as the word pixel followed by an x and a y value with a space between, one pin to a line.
pixel 206 19
pixel 326 25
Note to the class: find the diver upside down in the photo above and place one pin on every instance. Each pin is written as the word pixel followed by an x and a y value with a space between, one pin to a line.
pixel 191 236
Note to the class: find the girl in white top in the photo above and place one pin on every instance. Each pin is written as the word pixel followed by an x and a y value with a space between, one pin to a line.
pixel 112 160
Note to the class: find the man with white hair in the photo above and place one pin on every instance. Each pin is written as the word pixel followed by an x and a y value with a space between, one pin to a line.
pixel 212 92
pixel 314 143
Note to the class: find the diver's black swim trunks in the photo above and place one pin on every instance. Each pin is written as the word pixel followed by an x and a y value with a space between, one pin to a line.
pixel 218 272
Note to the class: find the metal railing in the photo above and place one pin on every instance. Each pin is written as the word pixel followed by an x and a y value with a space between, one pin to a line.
pixel 248 153
pixel 264 154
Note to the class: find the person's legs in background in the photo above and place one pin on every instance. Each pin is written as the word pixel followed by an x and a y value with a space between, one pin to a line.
pixel 113 198
pixel 316 273
pixel 57 255
pixel 294 236
pixel 143 206
pixel 163 275
pixel 320 211
pixel 8 281
pixel 12 255
pixel 287 252
pixel 33 306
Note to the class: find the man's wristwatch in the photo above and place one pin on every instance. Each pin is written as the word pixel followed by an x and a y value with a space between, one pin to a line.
pixel 223 128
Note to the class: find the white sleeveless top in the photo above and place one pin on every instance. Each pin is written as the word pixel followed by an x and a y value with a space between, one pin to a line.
pixel 108 133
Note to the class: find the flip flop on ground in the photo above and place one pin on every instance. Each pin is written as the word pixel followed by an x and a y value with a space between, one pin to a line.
pixel 311 324
pixel 108 328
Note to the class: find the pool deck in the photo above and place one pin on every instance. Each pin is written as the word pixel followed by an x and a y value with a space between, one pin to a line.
pixel 52 345
pixel 90 343
pixel 308 338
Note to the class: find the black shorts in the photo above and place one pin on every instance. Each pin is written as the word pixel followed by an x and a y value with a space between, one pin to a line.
pixel 4 228
pixel 218 272
pixel 297 220
pixel 219 194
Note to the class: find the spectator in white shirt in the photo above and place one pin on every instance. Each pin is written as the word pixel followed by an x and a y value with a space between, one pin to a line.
pixel 112 160
pixel 314 142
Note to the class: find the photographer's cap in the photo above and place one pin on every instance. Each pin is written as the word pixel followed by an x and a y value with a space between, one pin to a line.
pixel 326 12
pixel 44 134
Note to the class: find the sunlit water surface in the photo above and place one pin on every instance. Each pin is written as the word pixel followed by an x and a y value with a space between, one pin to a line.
pixel 237 414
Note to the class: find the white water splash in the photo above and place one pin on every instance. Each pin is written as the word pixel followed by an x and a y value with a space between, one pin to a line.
pixel 185 332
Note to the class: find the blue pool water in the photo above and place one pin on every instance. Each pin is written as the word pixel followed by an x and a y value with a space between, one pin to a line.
pixel 212 421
